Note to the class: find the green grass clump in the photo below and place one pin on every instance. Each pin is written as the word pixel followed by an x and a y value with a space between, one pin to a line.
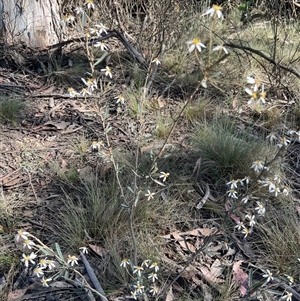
pixel 279 240
pixel 163 128
pixel 10 109
pixel 96 207
pixel 93 207
pixel 6 261
pixel 198 111
pixel 226 151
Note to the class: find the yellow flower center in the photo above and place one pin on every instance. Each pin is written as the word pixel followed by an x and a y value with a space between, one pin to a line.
pixel 263 94
pixel 217 7
pixel 196 41
pixel 254 95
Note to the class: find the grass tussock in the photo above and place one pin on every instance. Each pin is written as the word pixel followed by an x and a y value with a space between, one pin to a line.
pixel 10 109
pixel 198 111
pixel 95 207
pixel 227 151
pixel 279 239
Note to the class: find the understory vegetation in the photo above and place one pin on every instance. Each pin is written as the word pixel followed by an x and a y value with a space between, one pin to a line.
pixel 182 183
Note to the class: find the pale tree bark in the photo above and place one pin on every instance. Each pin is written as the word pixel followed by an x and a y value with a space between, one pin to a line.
pixel 33 22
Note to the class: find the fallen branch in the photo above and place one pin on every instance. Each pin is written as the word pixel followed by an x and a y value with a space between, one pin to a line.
pixel 93 277
pixel 262 55
pixel 110 34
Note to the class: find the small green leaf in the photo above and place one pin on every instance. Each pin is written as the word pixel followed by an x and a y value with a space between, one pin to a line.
pixel 130 189
pixel 107 130
pixel 154 168
pixel 83 20
pixel 256 286
pixel 158 182
pixel 58 250
pixel 106 114
pixel 250 277
pixel 58 275
pixel 79 29
pixel 99 60
pixel 136 174
pixel 66 276
pixel 244 7
pixel 139 109
pixel 47 252
pixel 137 199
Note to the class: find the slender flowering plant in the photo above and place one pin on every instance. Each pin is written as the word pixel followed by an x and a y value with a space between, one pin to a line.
pixel 144 277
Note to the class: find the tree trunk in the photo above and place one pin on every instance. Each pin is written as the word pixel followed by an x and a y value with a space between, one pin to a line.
pixel 33 22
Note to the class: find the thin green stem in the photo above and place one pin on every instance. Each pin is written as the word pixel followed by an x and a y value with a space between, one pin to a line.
pixel 210 40
pixel 175 123
pixel 111 156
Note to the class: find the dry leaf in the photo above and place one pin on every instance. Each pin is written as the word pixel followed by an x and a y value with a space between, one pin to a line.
pixel 208 276
pixel 61 284
pixel 161 102
pixel 58 125
pixel 206 290
pixel 183 243
pixel 194 232
pixel 235 218
pixel 230 252
pixel 234 102
pixel 49 90
pixel 298 209
pixel 240 277
pixel 28 213
pixel 71 129
pixel 216 268
pixel 170 296
pixel 171 263
pixel 14 295
pixel 98 250
pixel 63 164
pixel 214 250
pixel 9 183
pixel 200 231
pixel 196 280
pixel 189 272
pixel 51 102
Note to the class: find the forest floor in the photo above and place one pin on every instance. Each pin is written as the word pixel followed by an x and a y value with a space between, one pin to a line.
pixel 178 180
